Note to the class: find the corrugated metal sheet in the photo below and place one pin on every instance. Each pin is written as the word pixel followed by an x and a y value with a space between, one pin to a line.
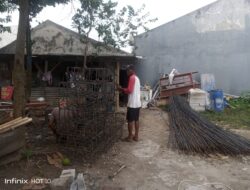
pixel 49 38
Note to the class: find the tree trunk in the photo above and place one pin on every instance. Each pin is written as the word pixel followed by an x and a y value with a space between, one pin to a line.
pixel 85 56
pixel 86 41
pixel 29 61
pixel 19 75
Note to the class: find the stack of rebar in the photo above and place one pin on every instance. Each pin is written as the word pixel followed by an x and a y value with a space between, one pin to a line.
pixel 192 134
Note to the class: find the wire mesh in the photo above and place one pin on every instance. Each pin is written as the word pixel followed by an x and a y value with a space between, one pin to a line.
pixel 88 123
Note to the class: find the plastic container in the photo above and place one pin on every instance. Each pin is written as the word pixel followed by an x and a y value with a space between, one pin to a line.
pixel 146 95
pixel 207 82
pixel 197 99
pixel 217 100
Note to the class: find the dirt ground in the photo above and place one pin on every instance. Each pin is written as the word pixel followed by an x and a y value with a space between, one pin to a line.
pixel 149 165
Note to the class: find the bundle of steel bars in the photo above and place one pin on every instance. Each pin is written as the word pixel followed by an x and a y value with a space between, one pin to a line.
pixel 192 134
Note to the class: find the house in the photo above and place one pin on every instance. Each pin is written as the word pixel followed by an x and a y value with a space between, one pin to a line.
pixel 214 39
pixel 56 48
pixel 8 37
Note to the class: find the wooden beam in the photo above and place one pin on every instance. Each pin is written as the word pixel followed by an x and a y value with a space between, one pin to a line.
pixel 10 122
pixel 37 67
pixel 56 66
pixel 46 66
pixel 14 124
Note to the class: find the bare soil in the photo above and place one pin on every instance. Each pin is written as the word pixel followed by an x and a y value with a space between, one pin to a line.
pixel 149 164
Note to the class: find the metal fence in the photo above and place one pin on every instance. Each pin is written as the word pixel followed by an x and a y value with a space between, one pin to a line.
pixel 88 123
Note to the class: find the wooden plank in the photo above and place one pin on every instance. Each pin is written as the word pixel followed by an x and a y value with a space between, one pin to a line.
pixel 13 122
pixel 10 122
pixel 23 122
pixel 181 84
pixel 15 125
pixel 177 80
pixel 182 74
pixel 176 91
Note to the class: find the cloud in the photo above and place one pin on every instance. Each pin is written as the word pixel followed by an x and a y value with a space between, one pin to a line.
pixel 165 11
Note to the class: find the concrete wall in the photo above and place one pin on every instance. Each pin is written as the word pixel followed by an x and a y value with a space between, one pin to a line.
pixel 214 39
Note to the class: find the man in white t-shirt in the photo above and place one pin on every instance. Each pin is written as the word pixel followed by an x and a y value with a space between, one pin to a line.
pixel 134 103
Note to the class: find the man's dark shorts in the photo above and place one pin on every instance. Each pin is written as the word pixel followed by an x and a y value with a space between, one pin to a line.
pixel 133 114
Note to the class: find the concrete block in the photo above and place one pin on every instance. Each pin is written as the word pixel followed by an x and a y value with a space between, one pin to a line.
pixel 70 173
pixel 62 183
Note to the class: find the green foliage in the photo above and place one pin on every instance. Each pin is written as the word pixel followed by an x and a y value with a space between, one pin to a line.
pixel 246 96
pixel 115 28
pixel 93 14
pixel 36 7
pixel 5 7
pixel 66 162
pixel 27 153
pixel 126 25
pixel 236 116
pixel 165 107
pixel 4 28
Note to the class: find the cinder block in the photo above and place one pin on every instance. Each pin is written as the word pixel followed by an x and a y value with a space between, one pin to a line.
pixel 70 173
pixel 62 183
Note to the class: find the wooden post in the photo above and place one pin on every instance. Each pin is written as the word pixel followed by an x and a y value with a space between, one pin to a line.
pixel 46 66
pixel 10 67
pixel 117 81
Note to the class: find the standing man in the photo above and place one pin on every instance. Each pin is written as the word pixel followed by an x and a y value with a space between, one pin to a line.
pixel 134 103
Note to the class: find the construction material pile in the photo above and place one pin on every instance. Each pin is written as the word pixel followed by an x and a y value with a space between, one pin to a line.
pixel 193 134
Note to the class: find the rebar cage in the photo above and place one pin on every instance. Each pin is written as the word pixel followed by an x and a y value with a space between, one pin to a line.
pixel 87 120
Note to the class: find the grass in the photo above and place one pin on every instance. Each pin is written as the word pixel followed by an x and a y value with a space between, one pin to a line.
pixel 164 107
pixel 235 116
pixel 27 153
